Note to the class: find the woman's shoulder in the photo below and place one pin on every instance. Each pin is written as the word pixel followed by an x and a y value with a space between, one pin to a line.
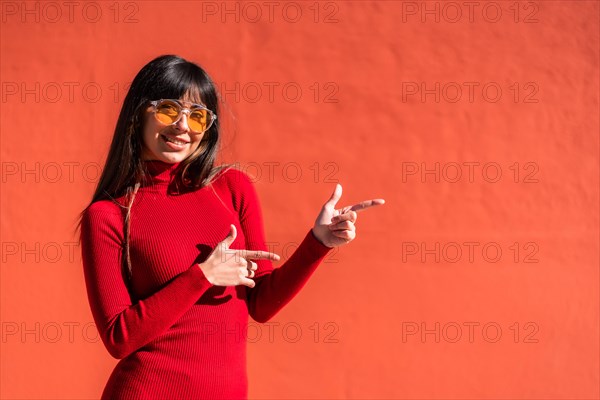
pixel 102 218
pixel 234 177
pixel 104 208
pixel 233 181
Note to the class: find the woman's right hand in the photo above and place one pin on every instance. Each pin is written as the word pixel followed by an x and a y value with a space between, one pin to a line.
pixel 228 267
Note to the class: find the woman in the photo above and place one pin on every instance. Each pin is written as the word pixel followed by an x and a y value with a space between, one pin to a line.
pixel 173 247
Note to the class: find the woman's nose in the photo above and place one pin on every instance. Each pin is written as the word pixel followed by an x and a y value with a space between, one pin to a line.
pixel 182 124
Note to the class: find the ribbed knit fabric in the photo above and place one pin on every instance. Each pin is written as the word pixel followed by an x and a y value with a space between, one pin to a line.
pixel 177 336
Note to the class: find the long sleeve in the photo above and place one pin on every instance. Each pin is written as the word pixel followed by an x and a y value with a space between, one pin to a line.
pixel 274 287
pixel 125 327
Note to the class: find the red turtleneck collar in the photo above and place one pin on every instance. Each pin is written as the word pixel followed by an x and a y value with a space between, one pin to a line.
pixel 160 172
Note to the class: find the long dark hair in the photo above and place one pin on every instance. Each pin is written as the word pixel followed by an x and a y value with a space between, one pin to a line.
pixel 165 77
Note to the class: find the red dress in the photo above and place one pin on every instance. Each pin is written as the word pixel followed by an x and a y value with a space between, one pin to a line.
pixel 181 337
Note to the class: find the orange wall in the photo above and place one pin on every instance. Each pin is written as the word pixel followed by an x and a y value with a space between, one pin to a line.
pixel 392 99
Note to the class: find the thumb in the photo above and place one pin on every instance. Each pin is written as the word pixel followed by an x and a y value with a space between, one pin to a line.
pixel 230 236
pixel 335 196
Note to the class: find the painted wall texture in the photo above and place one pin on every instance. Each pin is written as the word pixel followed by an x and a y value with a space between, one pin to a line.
pixel 477 122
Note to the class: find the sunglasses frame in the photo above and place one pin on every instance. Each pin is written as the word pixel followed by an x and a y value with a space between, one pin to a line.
pixel 213 116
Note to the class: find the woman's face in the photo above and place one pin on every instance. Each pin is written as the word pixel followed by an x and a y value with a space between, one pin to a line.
pixel 172 143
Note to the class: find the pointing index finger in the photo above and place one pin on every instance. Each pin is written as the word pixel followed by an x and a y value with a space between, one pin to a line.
pixel 258 255
pixel 363 205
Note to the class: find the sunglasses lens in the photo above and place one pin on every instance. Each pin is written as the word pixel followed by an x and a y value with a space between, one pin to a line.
pixel 199 120
pixel 167 112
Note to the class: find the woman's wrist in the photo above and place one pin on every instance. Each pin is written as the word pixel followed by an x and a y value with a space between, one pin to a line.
pixel 203 268
pixel 318 239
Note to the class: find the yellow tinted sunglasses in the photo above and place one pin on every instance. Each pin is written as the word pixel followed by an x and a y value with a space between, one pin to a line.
pixel 169 112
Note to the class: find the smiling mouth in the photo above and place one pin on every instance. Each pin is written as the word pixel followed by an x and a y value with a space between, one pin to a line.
pixel 174 141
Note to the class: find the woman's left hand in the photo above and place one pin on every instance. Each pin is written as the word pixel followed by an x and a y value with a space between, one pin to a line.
pixel 334 227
